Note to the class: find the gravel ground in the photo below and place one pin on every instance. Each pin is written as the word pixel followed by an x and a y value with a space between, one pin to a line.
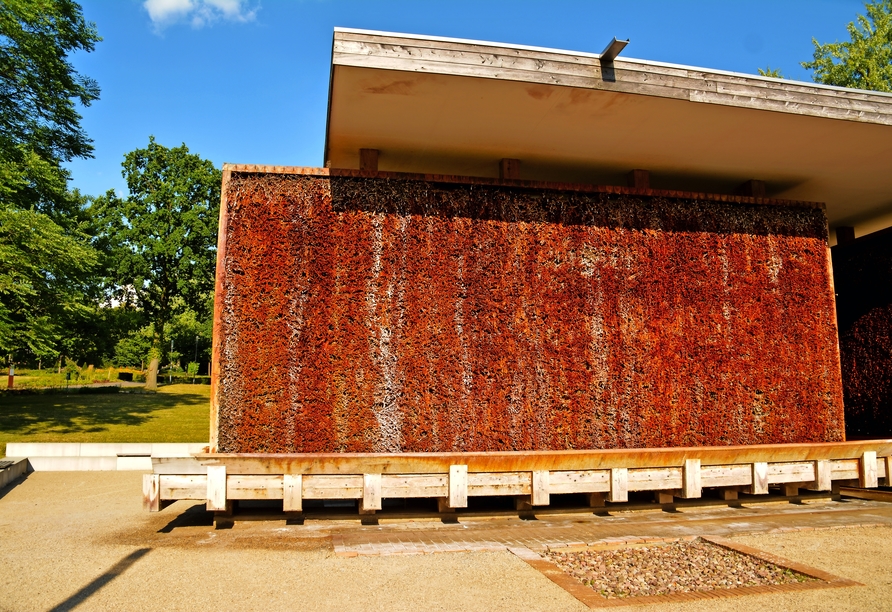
pixel 679 567
pixel 79 540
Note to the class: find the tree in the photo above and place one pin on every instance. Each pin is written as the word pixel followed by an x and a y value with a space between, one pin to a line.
pixel 161 239
pixel 45 256
pixel 865 62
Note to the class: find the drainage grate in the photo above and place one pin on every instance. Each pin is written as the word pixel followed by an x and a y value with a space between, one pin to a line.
pixel 5 464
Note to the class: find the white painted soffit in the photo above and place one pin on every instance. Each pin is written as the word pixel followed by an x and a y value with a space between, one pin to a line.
pixel 447 106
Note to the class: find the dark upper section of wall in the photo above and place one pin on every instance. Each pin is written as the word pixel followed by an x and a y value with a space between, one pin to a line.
pixel 377 314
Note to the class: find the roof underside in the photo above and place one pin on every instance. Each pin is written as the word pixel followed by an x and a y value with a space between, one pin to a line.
pixel 457 107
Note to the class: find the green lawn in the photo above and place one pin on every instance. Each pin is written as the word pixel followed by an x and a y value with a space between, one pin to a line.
pixel 176 413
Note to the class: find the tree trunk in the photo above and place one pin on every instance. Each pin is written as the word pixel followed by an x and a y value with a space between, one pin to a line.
pixel 152 375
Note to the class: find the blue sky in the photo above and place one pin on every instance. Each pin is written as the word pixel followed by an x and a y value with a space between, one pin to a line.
pixel 246 81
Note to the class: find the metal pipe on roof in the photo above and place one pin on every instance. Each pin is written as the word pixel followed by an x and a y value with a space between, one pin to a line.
pixel 613 49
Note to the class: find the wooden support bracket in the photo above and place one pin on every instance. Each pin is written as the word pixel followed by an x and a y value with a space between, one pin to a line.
pixel 151 492
pixel 619 485
pixel 292 493
pixel 540 496
pixel 509 169
pixel 371 491
pixel 691 486
pixel 216 497
pixel 867 470
pixel 368 160
pixel 458 486
pixel 760 478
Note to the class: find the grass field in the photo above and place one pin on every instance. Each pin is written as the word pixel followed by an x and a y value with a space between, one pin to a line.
pixel 176 413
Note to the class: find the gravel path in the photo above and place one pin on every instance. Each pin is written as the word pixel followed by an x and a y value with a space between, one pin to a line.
pixel 678 567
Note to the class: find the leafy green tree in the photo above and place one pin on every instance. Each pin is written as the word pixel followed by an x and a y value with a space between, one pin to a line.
pixel 161 239
pixel 771 72
pixel 864 62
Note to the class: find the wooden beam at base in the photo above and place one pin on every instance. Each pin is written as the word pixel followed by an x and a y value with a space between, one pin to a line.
pixel 619 485
pixel 443 505
pixel 664 497
pixel 368 160
pixel 760 478
pixel 691 487
pixel 216 497
pixel 371 491
pixel 871 494
pixel 596 500
pixel 790 489
pixel 292 493
pixel 728 494
pixel 823 476
pixel 540 495
pixel 867 473
pixel 151 492
pixel 458 486
pixel 509 169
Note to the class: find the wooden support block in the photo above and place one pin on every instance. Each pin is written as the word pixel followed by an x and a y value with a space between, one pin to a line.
pixel 151 492
pixel 728 494
pixel 691 487
pixel 639 179
pixel 523 502
pixel 619 485
pixel 371 491
pixel 540 496
pixel 443 505
pixel 791 489
pixel 867 472
pixel 292 493
pixel 368 160
pixel 664 497
pixel 596 500
pixel 823 476
pixel 458 486
pixel 752 188
pixel 760 478
pixel 845 235
pixel 888 461
pixel 363 510
pixel 216 498
pixel 509 169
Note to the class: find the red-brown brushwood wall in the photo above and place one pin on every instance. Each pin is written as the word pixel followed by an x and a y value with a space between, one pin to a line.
pixel 367 314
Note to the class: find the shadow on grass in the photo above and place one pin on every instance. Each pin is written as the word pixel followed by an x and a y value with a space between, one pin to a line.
pixel 77 413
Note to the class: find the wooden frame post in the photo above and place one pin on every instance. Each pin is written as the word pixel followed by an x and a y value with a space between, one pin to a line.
pixel 371 492
pixel 867 470
pixel 888 461
pixel 540 492
pixel 151 492
pixel 619 485
pixel 458 486
pixel 760 478
pixel 216 497
pixel 691 487
pixel 292 493
pixel 596 500
pixel 823 476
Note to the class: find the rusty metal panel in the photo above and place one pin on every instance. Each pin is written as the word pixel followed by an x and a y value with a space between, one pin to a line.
pixel 369 314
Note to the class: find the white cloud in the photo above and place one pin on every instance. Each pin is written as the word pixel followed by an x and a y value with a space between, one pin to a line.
pixel 198 12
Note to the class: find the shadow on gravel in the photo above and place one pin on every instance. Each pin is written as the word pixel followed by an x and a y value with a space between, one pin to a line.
pixel 113 572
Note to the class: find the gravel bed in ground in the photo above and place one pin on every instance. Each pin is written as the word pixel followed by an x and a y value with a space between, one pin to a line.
pixel 676 567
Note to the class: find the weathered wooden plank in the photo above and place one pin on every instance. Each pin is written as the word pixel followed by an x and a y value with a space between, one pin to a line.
pixel 499 483
pixel 216 491
pixel 414 485
pixel 186 486
pixel 759 484
pixel 867 472
pixel 844 469
pixel 874 495
pixel 508 461
pixel 178 465
pixel 458 486
pixel 725 475
pixel 691 484
pixel 254 486
pixel 151 492
pixel 292 493
pixel 579 481
pixel 655 479
pixel 371 491
pixel 802 471
pixel 340 486
pixel 540 494
pixel 619 485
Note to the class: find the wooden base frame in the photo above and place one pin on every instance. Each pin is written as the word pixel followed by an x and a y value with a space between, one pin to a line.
pixel 533 476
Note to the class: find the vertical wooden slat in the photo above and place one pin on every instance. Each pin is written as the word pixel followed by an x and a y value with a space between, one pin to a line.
pixel 823 476
pixel 760 478
pixel 509 168
pixel 368 160
pixel 690 479
pixel 619 485
pixel 216 488
pixel 867 472
pixel 888 470
pixel 541 496
pixel 292 493
pixel 458 486
pixel 371 491
pixel 151 492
